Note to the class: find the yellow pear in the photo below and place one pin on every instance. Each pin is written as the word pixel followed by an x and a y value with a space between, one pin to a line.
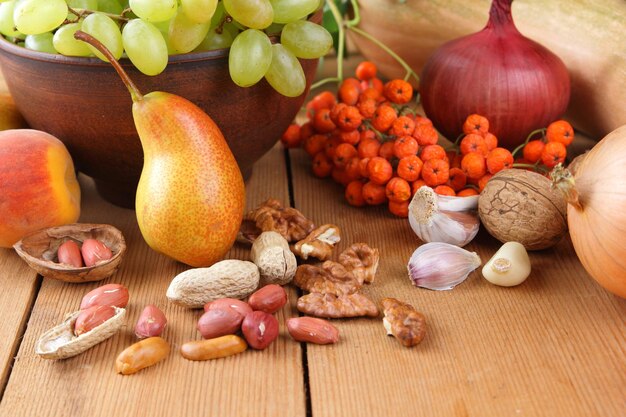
pixel 191 194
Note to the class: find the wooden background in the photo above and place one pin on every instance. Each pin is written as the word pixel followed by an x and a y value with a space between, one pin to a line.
pixel 553 346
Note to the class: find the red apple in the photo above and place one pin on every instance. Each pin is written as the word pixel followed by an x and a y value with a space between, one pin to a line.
pixel 38 186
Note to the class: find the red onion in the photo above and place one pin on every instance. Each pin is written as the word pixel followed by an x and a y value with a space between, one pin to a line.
pixel 517 84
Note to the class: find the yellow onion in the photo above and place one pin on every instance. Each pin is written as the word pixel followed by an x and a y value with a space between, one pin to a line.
pixel 596 211
pixel 516 83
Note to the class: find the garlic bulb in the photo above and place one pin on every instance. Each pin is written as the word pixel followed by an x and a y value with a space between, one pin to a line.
pixel 436 218
pixel 441 266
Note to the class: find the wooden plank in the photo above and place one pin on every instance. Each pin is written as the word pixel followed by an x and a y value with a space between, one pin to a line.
pixel 553 346
pixel 19 286
pixel 266 383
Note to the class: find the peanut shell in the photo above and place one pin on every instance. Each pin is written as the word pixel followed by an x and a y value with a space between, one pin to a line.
pixel 225 279
pixel 271 253
pixel 60 342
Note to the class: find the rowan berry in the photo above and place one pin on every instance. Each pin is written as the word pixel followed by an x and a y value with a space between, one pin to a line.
pixel 435 172
pixel 474 166
pixel 399 208
pixel 366 70
pixel 322 165
pixel 402 126
pixel 433 152
pixel 477 124
pixel 368 147
pixel 291 137
pixel 343 153
pixel 354 194
pixel 322 121
pixel 384 116
pixel 425 134
pixel 532 151
pixel 410 167
pixel 404 146
pixel 398 189
pixel 398 91
pixel 444 190
pixel 553 154
pixel 380 170
pixel 499 159
pixel 560 131
pixel 457 179
pixel 374 193
pixel 473 143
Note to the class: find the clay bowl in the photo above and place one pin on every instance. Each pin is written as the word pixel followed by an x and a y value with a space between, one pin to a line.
pixel 83 102
pixel 39 250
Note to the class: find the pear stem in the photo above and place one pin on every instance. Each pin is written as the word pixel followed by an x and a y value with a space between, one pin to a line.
pixel 132 88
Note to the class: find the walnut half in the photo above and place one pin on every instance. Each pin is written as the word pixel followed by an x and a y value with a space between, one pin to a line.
pixel 361 261
pixel 272 216
pixel 319 243
pixel 333 306
pixel 330 278
pixel 403 322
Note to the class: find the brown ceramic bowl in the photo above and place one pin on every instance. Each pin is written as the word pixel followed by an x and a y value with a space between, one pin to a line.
pixel 83 102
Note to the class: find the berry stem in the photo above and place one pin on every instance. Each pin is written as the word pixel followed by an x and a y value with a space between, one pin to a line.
pixel 132 88
pixel 84 12
pixel 342 36
pixel 528 138
pixel 409 72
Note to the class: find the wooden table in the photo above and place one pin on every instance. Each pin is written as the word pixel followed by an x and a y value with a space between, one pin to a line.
pixel 553 346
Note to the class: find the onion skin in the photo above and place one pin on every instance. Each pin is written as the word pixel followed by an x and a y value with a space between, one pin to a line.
pixel 596 212
pixel 516 83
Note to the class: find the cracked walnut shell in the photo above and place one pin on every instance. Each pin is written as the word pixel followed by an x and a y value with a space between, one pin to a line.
pixel 361 261
pixel 272 216
pixel 331 278
pixel 319 243
pixel 333 306
pixel 403 322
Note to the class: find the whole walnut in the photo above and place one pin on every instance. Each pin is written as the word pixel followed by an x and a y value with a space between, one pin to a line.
pixel 521 206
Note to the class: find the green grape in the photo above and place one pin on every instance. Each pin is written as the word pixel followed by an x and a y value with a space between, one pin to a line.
pixel 65 43
pixel 306 39
pixel 104 29
pixel 231 28
pixel 154 10
pixel 285 73
pixel 286 11
pixel 214 40
pixel 83 4
pixel 41 42
pixel 164 28
pixel 32 17
pixel 110 6
pixel 274 28
pixel 249 58
pixel 218 15
pixel 185 35
pixel 7 26
pixel 255 14
pixel 145 46
pixel 199 11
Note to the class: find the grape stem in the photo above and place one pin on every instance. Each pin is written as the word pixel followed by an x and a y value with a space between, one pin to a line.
pixel 132 88
pixel 84 12
pixel 352 24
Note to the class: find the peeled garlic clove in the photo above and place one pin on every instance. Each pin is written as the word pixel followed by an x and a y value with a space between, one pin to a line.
pixel 509 266
pixel 436 218
pixel 441 266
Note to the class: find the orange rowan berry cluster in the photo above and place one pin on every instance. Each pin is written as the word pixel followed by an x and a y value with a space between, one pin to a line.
pixel 548 151
pixel 369 140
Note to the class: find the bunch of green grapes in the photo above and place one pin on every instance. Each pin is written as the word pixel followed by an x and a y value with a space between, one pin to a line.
pixel 148 31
